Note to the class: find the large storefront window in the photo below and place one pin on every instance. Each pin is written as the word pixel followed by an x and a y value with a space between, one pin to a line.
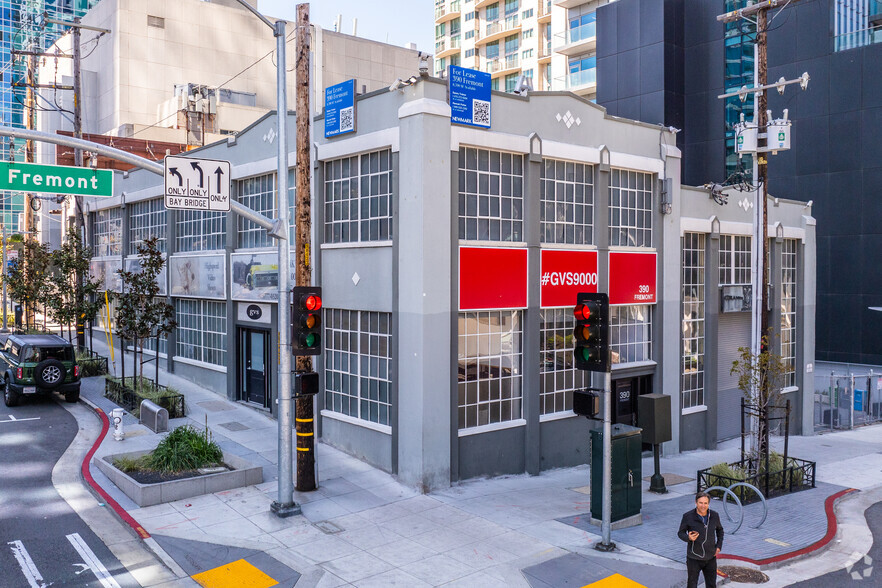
pixel 558 377
pixel 491 195
pixel 258 194
pixel 630 333
pixel 148 219
pixel 692 372
pixel 788 311
pixel 198 230
pixel 567 202
pixel 358 198
pixel 489 388
pixel 630 208
pixel 735 263
pixel 202 330
pixel 358 376
pixel 107 232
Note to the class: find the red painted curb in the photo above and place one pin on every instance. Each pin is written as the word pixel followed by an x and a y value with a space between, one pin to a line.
pixel 831 532
pixel 105 425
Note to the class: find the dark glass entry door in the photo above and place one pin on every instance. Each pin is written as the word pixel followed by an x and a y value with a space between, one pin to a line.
pixel 254 366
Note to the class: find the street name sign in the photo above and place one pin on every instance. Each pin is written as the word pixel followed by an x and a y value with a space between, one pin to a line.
pixel 197 184
pixel 55 179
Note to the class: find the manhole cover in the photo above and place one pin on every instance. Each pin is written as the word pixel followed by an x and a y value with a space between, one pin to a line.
pixel 234 426
pixel 744 575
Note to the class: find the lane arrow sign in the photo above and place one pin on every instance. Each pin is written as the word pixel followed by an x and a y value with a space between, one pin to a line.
pixel 197 167
pixel 219 173
pixel 174 171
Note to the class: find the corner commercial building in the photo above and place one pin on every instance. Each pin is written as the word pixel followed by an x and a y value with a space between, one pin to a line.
pixel 449 258
pixel 686 58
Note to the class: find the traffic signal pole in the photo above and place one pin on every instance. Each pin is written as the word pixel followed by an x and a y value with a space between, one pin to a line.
pixel 606 510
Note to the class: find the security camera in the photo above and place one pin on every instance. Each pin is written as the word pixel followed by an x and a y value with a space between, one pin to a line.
pixel 396 85
pixel 424 65
pixel 412 80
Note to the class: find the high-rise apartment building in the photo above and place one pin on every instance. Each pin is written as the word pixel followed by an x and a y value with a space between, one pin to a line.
pixel 24 27
pixel 552 42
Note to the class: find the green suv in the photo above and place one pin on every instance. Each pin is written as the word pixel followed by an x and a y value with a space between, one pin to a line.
pixel 38 364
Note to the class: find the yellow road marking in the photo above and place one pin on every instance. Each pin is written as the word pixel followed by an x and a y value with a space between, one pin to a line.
pixel 615 581
pixel 237 574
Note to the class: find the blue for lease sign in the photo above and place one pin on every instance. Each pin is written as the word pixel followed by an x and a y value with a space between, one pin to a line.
pixel 469 97
pixel 340 108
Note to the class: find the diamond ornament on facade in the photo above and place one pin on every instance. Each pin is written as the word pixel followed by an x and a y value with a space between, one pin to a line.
pixel 356 278
pixel 746 204
pixel 270 136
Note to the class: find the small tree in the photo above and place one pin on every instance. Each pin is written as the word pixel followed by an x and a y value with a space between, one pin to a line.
pixel 26 278
pixel 760 378
pixel 70 299
pixel 139 315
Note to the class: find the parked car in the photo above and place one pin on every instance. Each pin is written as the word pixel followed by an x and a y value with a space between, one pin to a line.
pixel 38 364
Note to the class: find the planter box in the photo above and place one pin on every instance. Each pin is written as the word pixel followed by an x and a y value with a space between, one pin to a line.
pixel 799 475
pixel 244 473
pixel 126 397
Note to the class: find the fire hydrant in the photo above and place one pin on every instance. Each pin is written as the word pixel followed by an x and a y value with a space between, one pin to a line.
pixel 116 417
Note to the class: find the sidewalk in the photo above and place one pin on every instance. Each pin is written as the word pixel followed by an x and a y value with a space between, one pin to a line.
pixel 362 528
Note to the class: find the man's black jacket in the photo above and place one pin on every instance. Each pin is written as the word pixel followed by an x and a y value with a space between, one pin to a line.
pixel 705 547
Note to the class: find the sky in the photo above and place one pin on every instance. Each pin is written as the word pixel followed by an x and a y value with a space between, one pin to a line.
pixel 396 22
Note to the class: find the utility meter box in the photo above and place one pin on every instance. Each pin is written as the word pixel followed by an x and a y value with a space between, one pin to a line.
pixel 745 137
pixel 778 135
pixel 627 472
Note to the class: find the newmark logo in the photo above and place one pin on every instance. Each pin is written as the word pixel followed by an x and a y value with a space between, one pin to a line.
pixel 862 569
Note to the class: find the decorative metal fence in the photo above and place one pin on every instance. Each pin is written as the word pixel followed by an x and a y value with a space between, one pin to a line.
pixel 125 395
pixel 798 474
pixel 847 401
pixel 91 364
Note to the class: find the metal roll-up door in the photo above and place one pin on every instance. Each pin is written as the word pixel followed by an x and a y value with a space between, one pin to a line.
pixel 734 332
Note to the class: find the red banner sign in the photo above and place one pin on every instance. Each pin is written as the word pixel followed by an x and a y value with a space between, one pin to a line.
pixel 632 277
pixel 491 278
pixel 564 274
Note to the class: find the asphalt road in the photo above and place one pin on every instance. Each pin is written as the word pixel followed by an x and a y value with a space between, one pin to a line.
pixel 867 572
pixel 42 540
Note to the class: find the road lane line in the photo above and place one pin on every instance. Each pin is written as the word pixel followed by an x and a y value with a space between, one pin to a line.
pixel 92 560
pixel 28 568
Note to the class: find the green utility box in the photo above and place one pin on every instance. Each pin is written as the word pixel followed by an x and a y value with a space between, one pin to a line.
pixel 627 472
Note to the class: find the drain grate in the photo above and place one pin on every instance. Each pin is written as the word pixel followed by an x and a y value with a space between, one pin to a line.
pixel 328 528
pixel 234 426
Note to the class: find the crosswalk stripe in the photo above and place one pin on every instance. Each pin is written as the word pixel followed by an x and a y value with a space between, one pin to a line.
pixel 28 568
pixel 92 560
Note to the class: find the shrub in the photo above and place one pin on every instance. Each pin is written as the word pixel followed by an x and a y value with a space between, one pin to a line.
pixel 130 464
pixel 723 474
pixel 183 449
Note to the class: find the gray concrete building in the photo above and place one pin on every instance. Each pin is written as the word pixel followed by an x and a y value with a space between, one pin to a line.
pixel 450 257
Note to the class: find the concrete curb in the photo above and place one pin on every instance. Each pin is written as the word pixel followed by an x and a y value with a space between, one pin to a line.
pixel 788 558
pixel 118 510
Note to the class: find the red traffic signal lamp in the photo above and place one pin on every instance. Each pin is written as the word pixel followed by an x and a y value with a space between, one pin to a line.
pixel 591 334
pixel 306 321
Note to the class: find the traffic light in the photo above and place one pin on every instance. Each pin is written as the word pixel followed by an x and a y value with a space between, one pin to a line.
pixel 306 321
pixel 592 332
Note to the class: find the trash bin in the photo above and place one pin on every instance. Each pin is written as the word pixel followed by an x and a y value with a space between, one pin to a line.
pixel 627 472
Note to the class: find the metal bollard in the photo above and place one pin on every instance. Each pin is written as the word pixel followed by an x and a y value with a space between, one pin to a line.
pixel 116 417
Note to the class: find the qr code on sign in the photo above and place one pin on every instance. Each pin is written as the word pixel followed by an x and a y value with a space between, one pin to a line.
pixel 347 121
pixel 481 112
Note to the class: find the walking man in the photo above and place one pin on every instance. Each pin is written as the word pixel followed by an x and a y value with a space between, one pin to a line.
pixel 703 533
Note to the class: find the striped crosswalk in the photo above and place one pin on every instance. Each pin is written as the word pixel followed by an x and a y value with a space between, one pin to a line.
pixel 88 562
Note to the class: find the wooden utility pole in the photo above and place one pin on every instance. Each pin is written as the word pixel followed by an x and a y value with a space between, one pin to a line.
pixel 760 11
pixel 304 413
pixel 78 162
pixel 30 151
